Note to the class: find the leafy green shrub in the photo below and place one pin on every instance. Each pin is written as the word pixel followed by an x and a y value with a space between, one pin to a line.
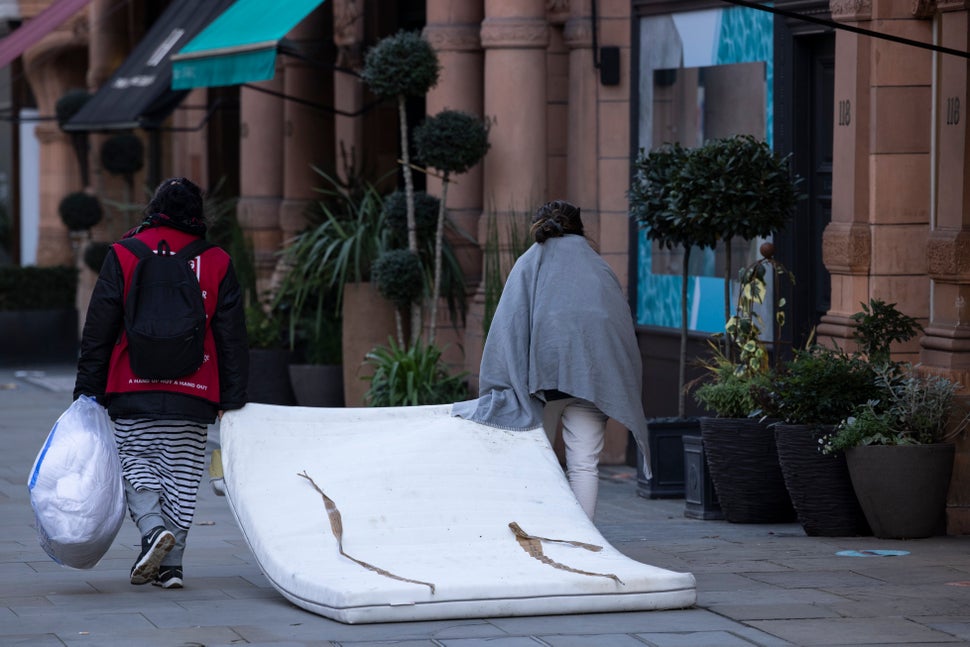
pixel 818 386
pixel 911 409
pixel 730 392
pixel 411 376
pixel 878 325
pixel 37 288
pixel 80 210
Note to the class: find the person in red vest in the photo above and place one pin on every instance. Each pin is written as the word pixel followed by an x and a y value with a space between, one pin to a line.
pixel 161 425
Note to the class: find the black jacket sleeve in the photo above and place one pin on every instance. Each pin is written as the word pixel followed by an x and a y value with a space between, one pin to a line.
pixel 232 344
pixel 102 325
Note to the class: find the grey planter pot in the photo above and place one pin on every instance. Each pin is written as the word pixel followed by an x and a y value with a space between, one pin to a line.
pixel 902 488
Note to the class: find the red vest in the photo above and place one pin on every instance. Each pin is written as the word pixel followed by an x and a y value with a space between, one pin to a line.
pixel 210 268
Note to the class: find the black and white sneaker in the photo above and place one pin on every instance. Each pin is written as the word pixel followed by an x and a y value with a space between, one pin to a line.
pixel 154 547
pixel 169 577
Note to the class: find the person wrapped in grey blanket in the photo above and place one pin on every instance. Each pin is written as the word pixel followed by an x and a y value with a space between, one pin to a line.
pixel 562 346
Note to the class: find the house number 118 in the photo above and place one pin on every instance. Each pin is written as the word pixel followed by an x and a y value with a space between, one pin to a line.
pixel 845 112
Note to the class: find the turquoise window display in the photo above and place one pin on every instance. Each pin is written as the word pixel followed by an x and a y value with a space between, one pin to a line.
pixel 716 37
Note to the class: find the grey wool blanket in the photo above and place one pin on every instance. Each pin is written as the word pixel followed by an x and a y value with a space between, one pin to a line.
pixel 563 323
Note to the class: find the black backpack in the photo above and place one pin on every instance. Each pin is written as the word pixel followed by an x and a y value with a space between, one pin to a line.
pixel 164 312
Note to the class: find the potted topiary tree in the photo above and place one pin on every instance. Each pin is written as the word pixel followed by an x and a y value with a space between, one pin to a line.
pixel 451 142
pixel 748 192
pixel 660 201
pixel 123 154
pixel 401 66
pixel 79 211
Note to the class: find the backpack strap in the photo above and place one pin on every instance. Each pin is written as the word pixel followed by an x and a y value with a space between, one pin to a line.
pixel 141 250
pixel 136 247
pixel 193 249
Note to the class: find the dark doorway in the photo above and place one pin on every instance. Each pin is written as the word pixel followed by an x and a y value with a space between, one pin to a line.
pixel 804 95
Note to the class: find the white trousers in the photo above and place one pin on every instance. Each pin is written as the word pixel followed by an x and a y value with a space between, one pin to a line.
pixel 583 431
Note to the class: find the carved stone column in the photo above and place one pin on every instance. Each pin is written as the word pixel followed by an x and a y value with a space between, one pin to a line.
pixel 847 242
pixel 53 66
pixel 308 133
pixel 947 341
pixel 348 90
pixel 581 168
pixel 261 175
pixel 453 30
pixel 946 344
pixel 514 36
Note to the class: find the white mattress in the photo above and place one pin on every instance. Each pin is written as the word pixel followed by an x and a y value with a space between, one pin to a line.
pixel 426 497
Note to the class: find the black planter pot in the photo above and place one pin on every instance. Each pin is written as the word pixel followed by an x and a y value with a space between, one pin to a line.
pixel 700 496
pixel 902 488
pixel 819 484
pixel 317 385
pixel 38 336
pixel 269 376
pixel 743 461
pixel 666 445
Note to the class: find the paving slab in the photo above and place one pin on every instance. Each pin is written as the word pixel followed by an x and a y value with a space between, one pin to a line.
pixel 758 584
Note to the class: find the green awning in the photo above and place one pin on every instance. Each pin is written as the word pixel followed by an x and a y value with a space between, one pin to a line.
pixel 240 45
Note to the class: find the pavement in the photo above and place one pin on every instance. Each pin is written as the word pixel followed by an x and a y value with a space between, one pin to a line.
pixel 757 584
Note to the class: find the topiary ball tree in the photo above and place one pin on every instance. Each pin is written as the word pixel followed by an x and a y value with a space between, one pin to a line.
pixel 94 254
pixel 746 189
pixel 426 208
pixel 400 66
pixel 123 154
pixel 452 142
pixel 80 211
pixel 69 104
pixel 660 201
pixel 399 279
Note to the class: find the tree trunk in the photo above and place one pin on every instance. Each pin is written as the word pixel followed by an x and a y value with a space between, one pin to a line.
pixel 438 241
pixel 682 370
pixel 409 200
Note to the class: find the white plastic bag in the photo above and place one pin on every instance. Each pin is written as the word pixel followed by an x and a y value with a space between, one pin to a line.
pixel 76 487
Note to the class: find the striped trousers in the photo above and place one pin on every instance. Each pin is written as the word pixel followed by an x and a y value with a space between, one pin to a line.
pixel 162 462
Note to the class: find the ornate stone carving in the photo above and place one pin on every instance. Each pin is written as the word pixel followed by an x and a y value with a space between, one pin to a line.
pixel 851 10
pixel 952 5
pixel 948 255
pixel 519 33
pixel 846 249
pixel 347 29
pixel 924 8
pixel 557 11
pixel 453 38
pixel 578 33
